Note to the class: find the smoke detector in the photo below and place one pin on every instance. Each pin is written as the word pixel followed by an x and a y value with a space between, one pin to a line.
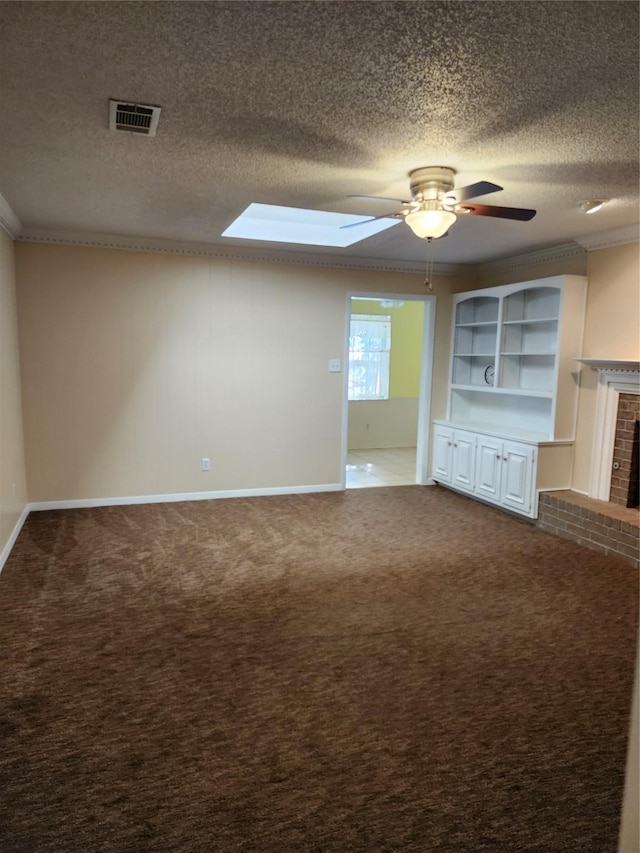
pixel 134 118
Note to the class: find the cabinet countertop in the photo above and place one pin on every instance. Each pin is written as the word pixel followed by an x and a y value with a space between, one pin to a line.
pixel 515 434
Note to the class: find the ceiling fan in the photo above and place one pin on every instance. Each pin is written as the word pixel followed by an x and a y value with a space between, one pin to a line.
pixel 435 203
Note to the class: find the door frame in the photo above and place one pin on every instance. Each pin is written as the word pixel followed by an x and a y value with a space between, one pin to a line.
pixel 426 378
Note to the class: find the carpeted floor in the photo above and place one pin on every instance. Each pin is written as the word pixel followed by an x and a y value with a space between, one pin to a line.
pixel 394 669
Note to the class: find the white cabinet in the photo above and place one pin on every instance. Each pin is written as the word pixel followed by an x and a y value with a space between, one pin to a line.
pixel 513 393
pixel 454 453
pixel 504 473
pixel 464 457
pixel 492 469
pixel 488 468
pixel 442 454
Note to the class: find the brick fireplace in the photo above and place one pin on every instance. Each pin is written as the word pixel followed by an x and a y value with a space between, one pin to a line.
pixel 608 518
pixel 624 473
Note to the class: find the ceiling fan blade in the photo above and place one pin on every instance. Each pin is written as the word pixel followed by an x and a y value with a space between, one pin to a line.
pixel 380 198
pixel 474 190
pixel 519 213
pixel 396 215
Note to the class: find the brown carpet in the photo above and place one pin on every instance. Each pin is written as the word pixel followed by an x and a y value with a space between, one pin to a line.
pixel 395 669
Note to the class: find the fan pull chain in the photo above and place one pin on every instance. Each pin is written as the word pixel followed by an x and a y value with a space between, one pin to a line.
pixel 428 279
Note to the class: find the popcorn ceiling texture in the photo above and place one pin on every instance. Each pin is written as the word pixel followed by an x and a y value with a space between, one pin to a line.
pixel 304 103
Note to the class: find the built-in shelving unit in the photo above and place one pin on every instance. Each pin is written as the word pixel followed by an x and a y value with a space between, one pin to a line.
pixel 513 377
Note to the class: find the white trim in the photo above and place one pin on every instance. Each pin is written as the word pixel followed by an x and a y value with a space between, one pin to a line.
pixel 8 220
pixel 87 503
pixel 575 248
pixel 11 541
pixel 236 253
pixel 424 400
pixel 613 381
pixel 615 237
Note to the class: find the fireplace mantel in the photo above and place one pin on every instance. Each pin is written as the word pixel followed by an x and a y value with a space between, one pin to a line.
pixel 611 364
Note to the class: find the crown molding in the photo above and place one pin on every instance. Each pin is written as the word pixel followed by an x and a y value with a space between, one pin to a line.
pixel 615 237
pixel 8 220
pixel 532 259
pixel 576 248
pixel 234 253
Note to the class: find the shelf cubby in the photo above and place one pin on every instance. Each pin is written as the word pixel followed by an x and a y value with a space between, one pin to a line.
pixel 476 339
pixel 528 371
pixel 477 310
pixel 532 303
pixel 530 337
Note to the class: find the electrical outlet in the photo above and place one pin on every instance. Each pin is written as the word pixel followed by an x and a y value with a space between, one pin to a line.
pixel 205 464
pixel 334 365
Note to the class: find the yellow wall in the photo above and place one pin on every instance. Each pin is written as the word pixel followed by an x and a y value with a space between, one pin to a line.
pixel 136 365
pixel 13 493
pixel 406 343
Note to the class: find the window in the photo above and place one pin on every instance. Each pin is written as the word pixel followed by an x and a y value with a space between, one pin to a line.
pixel 369 350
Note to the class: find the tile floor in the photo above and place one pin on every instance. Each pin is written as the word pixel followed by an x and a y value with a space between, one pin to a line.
pixel 388 466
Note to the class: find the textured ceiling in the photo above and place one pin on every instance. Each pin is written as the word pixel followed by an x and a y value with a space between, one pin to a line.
pixel 303 103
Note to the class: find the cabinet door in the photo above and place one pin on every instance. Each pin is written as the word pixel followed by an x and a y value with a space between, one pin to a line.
pixel 517 476
pixel 464 452
pixel 442 454
pixel 488 468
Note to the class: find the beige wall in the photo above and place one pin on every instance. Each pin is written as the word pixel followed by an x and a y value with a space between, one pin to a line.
pixel 135 366
pixel 612 330
pixel 13 493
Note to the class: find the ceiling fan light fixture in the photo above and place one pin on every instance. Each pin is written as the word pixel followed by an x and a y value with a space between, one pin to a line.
pixel 430 224
pixel 592 205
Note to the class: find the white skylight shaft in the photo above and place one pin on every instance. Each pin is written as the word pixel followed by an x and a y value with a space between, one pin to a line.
pixel 308 227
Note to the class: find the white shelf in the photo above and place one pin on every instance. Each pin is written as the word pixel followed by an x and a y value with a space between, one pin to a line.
pixel 531 322
pixel 512 392
pixel 527 333
pixel 521 353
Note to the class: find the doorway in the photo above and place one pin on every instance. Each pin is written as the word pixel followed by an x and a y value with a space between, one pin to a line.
pixel 388 358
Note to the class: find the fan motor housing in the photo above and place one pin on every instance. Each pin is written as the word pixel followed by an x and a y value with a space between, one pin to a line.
pixel 431 182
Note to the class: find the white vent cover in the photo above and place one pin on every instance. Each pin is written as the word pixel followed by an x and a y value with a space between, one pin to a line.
pixel 134 118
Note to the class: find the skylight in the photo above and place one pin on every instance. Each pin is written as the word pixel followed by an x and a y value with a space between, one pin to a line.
pixel 296 225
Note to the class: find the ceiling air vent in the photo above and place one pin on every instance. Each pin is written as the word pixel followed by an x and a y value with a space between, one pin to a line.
pixel 135 118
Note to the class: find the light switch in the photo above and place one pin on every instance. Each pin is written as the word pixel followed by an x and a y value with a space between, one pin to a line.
pixel 334 365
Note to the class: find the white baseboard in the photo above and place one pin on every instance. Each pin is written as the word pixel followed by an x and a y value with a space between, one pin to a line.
pixel 184 496
pixel 4 554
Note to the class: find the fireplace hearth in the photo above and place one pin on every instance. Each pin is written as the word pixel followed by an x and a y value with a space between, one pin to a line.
pixel 608 519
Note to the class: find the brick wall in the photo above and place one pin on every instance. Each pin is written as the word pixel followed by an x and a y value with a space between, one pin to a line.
pixel 624 477
pixel 599 525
